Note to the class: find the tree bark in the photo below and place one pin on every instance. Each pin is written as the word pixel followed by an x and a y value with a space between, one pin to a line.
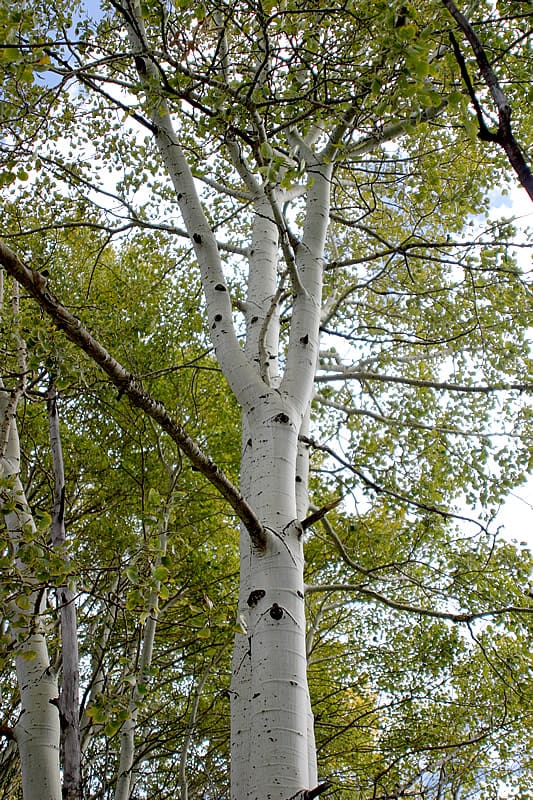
pixel 279 708
pixel 504 135
pixel 69 699
pixel 37 732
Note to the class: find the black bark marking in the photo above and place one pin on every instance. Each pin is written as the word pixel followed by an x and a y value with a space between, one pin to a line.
pixel 255 596
pixel 218 317
pixel 197 238
pixel 275 611
pixel 304 339
pixel 63 722
pixel 283 418
pixel 220 287
pixel 254 319
pixel 141 66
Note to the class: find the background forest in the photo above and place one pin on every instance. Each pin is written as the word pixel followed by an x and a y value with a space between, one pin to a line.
pixel 129 396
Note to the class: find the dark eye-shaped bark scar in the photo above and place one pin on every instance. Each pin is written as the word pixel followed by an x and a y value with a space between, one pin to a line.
pixel 277 612
pixel 255 596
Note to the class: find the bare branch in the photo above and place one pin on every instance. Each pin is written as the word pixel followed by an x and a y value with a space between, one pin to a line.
pixel 504 135
pixel 320 513
pixel 339 544
pixel 343 373
pixel 398 605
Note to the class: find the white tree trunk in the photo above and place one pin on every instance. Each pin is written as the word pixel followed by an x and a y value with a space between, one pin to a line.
pixel 279 718
pixel 273 748
pixel 37 732
pixel 272 739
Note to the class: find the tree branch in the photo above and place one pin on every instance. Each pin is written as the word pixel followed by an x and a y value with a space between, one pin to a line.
pixel 238 372
pixel 398 605
pixel 504 135
pixel 320 513
pixel 379 489
pixel 342 373
pixel 396 422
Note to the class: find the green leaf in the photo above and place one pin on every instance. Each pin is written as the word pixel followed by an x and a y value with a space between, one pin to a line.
pixel 112 727
pixel 160 573
pixel 266 151
pixel 23 601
